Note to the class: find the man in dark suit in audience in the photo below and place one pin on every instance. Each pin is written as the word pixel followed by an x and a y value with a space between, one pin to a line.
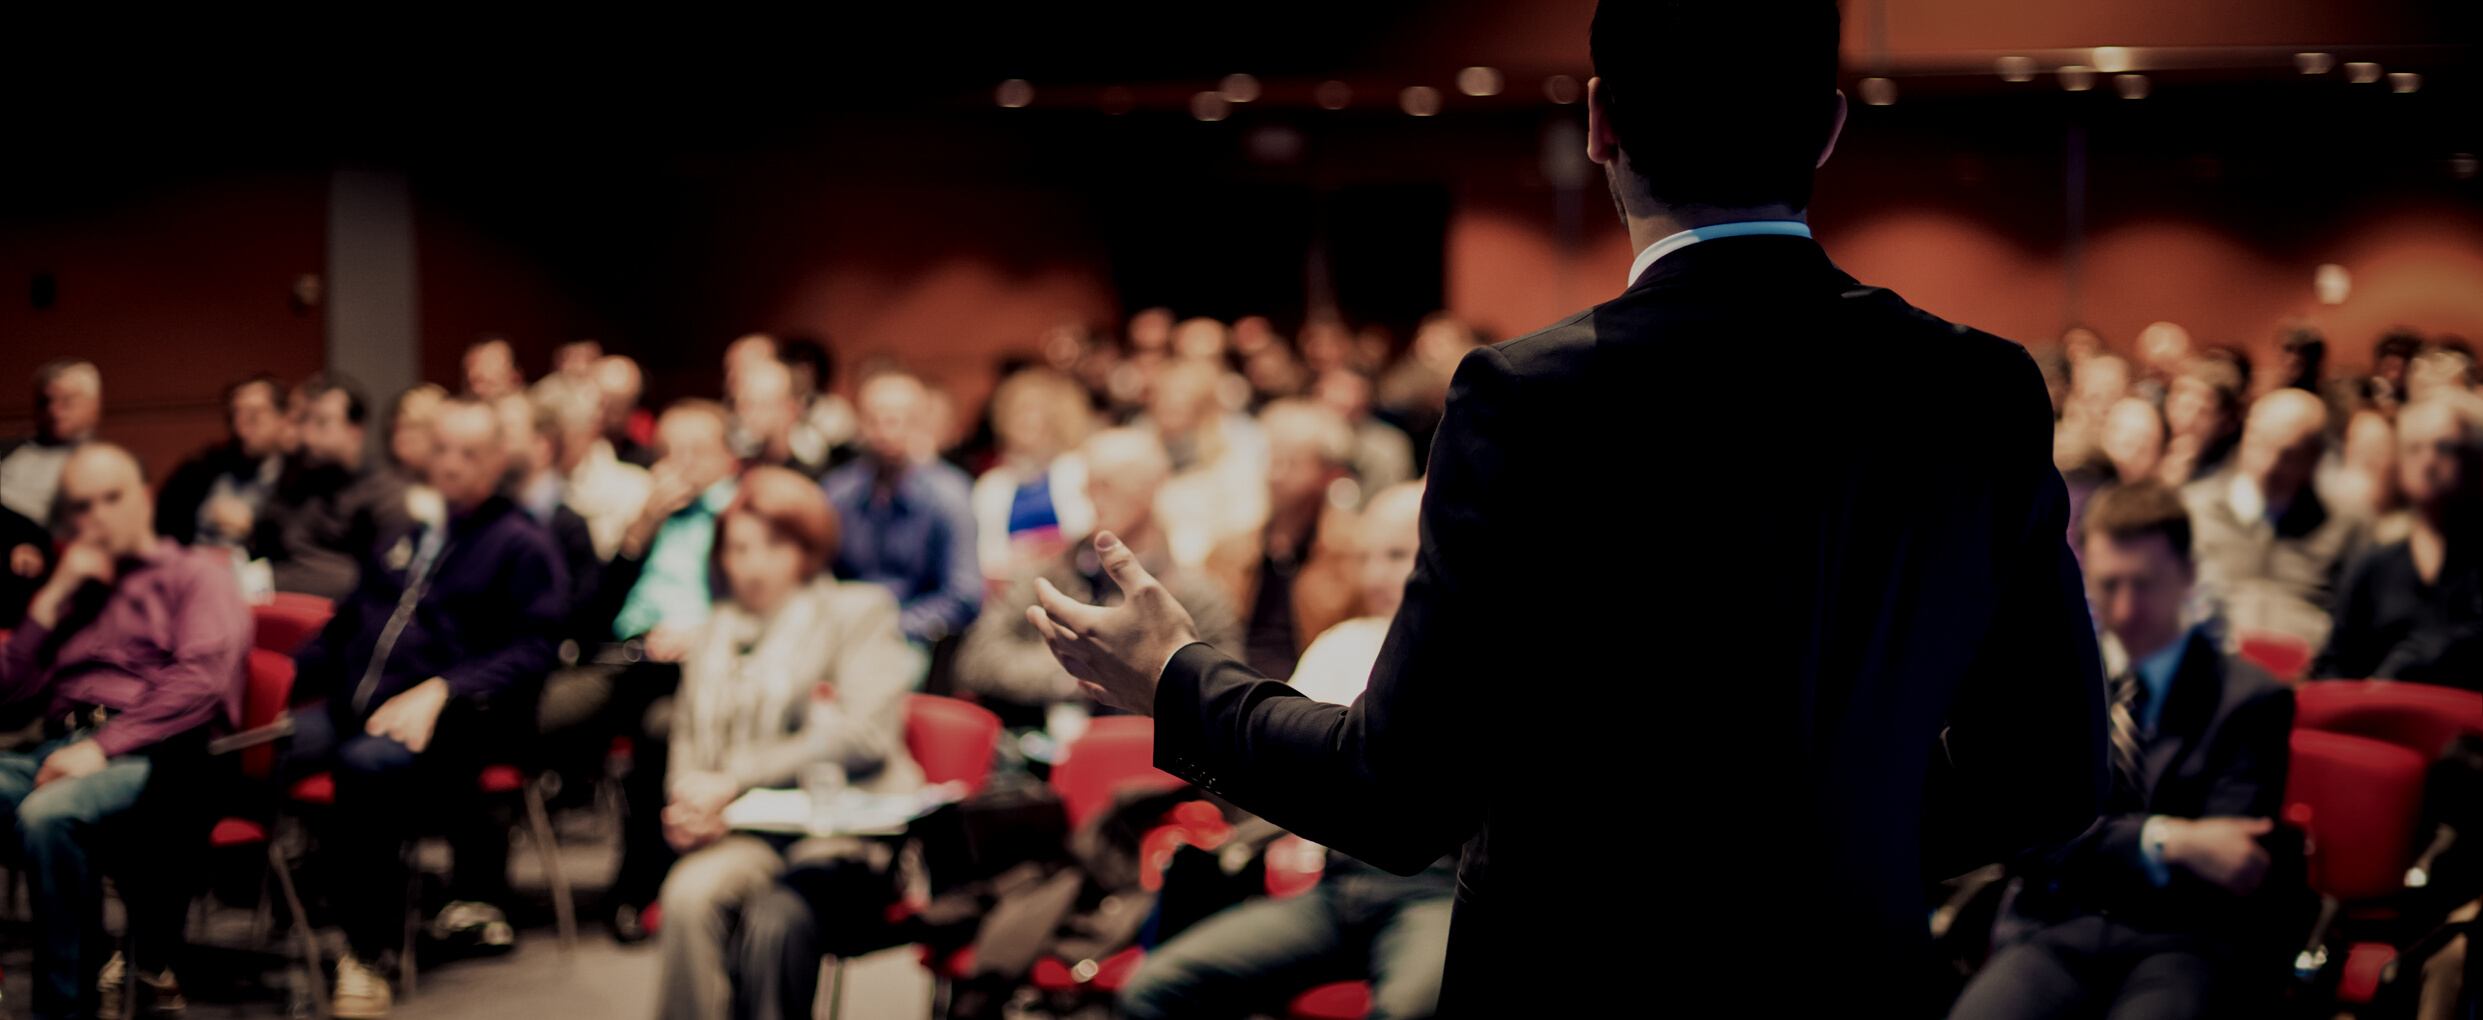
pixel 1886 674
pixel 2167 906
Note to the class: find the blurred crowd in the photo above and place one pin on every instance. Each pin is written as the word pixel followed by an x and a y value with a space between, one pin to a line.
pixel 719 596
pixel 740 593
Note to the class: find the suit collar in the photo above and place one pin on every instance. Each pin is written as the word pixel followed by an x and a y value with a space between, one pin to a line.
pixel 1682 239
pixel 1767 260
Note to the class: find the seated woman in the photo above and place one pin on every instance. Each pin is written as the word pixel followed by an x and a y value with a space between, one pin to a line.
pixel 796 669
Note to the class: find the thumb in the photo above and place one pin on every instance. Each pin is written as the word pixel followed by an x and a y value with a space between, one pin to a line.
pixel 2259 826
pixel 1121 563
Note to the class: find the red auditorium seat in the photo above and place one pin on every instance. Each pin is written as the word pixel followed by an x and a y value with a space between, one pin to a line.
pixel 283 626
pixel 267 688
pixel 2284 655
pixel 1115 752
pixel 1337 1000
pixel 952 740
pixel 2422 718
pixel 2357 801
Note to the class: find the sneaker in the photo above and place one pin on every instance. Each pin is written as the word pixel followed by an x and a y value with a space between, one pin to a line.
pixel 361 994
pixel 473 926
pixel 158 994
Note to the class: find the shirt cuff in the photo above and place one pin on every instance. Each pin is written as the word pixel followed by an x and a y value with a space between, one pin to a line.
pixel 2151 837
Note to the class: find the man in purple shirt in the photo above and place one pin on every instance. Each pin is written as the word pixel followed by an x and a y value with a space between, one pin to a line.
pixel 139 644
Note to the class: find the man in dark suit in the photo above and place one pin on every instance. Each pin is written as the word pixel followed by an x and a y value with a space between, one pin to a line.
pixel 2170 902
pixel 1881 669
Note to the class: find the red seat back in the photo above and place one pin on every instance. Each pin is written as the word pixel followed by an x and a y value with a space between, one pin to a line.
pixel 2422 718
pixel 285 625
pixel 2282 654
pixel 2358 800
pixel 270 687
pixel 1115 751
pixel 952 740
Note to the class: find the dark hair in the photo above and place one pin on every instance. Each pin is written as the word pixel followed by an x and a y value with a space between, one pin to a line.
pixel 2400 342
pixel 275 390
pixel 320 385
pixel 803 351
pixel 2135 510
pixel 1719 103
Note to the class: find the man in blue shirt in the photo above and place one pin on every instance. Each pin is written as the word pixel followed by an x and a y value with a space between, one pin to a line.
pixel 908 516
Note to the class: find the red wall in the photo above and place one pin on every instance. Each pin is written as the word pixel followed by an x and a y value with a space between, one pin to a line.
pixel 172 293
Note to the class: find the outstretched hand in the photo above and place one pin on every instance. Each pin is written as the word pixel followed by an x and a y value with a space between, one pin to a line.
pixel 1117 653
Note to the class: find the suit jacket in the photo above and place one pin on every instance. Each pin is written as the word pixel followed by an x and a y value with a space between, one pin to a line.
pixel 1700 731
pixel 2280 575
pixel 2220 747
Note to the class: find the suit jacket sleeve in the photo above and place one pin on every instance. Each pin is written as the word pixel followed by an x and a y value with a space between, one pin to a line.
pixel 536 586
pixel 2250 755
pixel 2023 761
pixel 1384 780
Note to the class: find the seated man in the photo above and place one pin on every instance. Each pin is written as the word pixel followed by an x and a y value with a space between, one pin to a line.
pixel 658 590
pixel 429 672
pixel 213 497
pixel 331 507
pixel 138 644
pixel 2169 905
pixel 1359 921
pixel 1003 659
pixel 2270 551
pixel 909 522
pixel 764 405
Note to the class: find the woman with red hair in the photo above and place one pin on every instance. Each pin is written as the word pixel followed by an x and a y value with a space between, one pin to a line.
pixel 795 670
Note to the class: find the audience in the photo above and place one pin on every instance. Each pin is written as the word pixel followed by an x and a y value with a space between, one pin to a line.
pixel 794 673
pixel 1359 921
pixel 657 592
pixel 329 509
pixel 68 400
pixel 1218 489
pixel 409 432
pixel 2270 551
pixel 2177 902
pixel 908 519
pixel 1003 660
pixel 539 488
pixel 137 647
pixel 428 673
pixel 824 427
pixel 2133 439
pixel 606 492
pixel 2413 609
pixel 1383 456
pixel 1032 503
pixel 1293 579
pixel 213 498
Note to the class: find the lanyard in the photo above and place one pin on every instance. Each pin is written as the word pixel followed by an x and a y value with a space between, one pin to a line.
pixel 417 580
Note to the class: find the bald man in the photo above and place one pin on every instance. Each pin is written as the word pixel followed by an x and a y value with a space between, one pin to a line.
pixel 2269 550
pixel 1003 659
pixel 428 673
pixel 137 643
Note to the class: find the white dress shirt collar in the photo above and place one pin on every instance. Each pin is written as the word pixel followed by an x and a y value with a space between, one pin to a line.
pixel 1686 238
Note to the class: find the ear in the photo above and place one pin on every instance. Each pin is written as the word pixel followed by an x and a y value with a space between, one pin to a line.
pixel 1836 129
pixel 1602 145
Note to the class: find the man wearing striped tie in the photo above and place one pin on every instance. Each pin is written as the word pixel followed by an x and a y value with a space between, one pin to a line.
pixel 2167 906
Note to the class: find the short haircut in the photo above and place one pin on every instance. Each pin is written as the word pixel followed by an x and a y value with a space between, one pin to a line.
pixel 324 383
pixel 2221 374
pixel 275 390
pixel 2133 511
pixel 468 401
pixel 801 351
pixel 790 505
pixel 2400 342
pixel 1723 104
pixel 703 407
pixel 76 370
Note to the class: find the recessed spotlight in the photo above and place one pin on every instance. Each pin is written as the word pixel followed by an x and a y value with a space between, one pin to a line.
pixel 1014 93
pixel 1419 100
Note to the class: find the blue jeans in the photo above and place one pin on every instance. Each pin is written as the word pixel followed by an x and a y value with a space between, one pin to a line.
pixel 56 828
pixel 1357 923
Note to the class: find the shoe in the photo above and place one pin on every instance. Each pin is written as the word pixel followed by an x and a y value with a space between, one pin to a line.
pixel 361 994
pixel 629 925
pixel 158 995
pixel 473 926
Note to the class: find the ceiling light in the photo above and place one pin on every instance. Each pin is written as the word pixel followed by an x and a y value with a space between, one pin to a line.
pixel 1014 93
pixel 1239 88
pixel 1479 81
pixel 2017 68
pixel 2077 77
pixel 1419 100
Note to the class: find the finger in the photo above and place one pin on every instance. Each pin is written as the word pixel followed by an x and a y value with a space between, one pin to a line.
pixel 2259 826
pixel 1067 613
pixel 1043 625
pixel 1121 563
